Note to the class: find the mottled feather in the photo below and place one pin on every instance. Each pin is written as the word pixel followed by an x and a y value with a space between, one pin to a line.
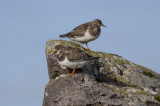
pixel 74 54
pixel 80 30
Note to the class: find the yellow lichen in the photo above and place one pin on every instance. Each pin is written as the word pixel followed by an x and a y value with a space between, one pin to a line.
pixel 142 93
pixel 122 91
pixel 149 74
pixel 157 98
pixel 51 51
pixel 108 67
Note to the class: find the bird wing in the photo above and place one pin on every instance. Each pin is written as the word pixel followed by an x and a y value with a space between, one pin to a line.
pixel 74 54
pixel 80 30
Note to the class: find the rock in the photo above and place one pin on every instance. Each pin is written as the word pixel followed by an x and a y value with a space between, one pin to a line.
pixel 108 81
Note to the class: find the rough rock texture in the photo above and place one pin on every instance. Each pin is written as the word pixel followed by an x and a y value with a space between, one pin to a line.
pixel 109 81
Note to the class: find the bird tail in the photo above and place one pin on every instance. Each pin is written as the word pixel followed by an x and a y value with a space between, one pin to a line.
pixel 64 35
pixel 93 58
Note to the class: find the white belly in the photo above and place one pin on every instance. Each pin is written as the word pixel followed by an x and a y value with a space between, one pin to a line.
pixel 86 38
pixel 66 63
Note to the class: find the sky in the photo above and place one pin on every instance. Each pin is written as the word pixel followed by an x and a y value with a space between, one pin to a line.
pixel 133 32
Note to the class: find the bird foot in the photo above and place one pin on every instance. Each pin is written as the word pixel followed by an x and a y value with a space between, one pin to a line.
pixel 70 74
pixel 90 50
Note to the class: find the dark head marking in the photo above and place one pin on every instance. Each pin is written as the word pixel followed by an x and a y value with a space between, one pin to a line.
pixel 58 47
pixel 98 22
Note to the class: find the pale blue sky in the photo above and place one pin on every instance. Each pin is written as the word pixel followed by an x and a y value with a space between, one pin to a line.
pixel 25 25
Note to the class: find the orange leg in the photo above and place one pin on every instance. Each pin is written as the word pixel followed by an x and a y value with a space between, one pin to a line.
pixel 72 72
pixel 88 47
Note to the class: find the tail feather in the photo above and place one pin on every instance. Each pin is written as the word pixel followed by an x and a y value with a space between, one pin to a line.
pixel 64 35
pixel 93 58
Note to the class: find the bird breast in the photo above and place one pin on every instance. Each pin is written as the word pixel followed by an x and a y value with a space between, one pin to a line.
pixel 69 64
pixel 86 38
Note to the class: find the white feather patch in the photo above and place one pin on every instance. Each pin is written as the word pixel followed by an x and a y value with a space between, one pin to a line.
pixel 86 38
pixel 69 64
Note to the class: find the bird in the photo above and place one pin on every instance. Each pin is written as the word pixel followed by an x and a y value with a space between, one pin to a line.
pixel 72 58
pixel 85 33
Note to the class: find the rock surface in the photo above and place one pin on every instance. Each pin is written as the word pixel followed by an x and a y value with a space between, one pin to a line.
pixel 108 81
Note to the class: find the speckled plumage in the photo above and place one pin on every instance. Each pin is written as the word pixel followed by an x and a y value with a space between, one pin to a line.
pixel 86 32
pixel 73 54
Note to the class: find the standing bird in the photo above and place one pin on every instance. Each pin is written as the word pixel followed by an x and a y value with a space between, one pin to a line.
pixel 72 58
pixel 85 33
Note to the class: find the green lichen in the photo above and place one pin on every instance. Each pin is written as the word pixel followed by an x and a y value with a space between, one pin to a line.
pixel 68 43
pixel 92 53
pixel 122 91
pixel 127 62
pixel 106 86
pixel 54 75
pixel 137 91
pixel 142 93
pixel 149 74
pixel 51 51
pixel 142 67
pixel 157 98
pixel 146 71
pixel 108 67
pixel 119 80
pixel 119 90
pixel 111 57
pixel 119 62
pixel 106 55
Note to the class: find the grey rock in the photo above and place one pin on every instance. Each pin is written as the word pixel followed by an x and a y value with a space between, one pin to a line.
pixel 108 81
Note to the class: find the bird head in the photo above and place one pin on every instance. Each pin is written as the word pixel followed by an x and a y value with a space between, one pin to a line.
pixel 59 48
pixel 98 22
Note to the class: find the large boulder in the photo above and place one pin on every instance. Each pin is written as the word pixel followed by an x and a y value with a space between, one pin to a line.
pixel 108 81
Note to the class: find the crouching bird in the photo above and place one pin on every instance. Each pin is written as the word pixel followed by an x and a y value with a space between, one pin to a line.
pixel 85 33
pixel 72 58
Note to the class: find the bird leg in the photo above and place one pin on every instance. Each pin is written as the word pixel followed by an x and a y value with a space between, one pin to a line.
pixel 70 74
pixel 88 48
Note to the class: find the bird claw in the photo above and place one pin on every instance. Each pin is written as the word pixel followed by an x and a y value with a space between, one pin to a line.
pixel 70 74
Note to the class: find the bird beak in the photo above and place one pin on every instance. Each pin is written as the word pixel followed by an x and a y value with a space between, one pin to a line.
pixel 103 25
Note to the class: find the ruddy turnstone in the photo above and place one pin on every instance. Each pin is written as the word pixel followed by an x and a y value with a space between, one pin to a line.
pixel 85 33
pixel 72 58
